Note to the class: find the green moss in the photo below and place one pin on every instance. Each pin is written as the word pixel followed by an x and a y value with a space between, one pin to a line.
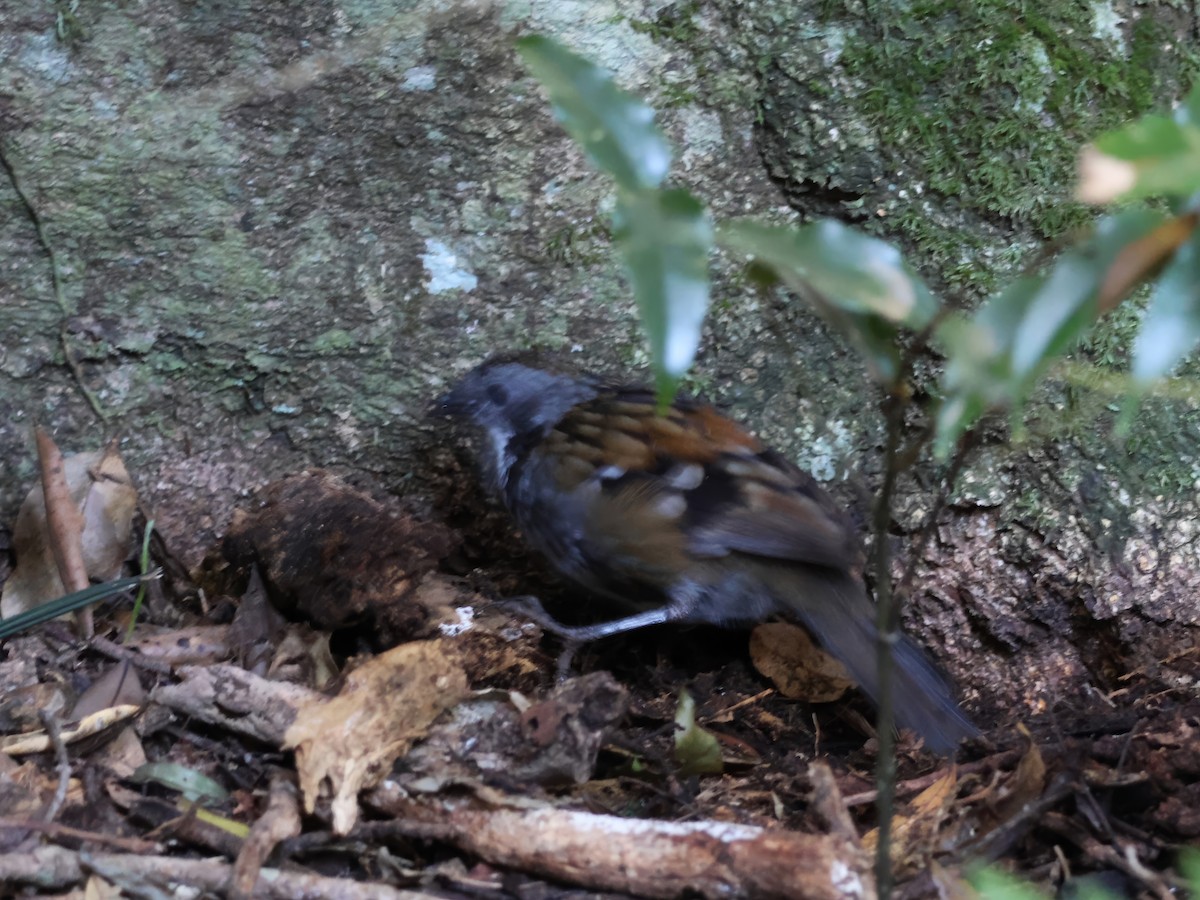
pixel 985 107
pixel 580 244
pixel 675 22
pixel 68 26
pixel 333 341
pixel 709 79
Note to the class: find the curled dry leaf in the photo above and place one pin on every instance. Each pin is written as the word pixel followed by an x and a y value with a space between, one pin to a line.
pixel 105 499
pixel 800 669
pixel 350 741
pixel 1027 783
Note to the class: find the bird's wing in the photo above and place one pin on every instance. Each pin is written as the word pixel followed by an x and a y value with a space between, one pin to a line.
pixel 776 510
pixel 690 480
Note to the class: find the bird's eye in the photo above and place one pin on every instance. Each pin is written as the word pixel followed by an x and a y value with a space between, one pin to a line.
pixel 497 394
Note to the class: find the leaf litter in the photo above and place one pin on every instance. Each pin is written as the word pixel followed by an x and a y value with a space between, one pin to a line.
pixel 339 679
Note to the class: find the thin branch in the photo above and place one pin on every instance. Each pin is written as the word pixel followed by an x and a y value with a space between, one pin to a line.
pixel 55 829
pixel 62 763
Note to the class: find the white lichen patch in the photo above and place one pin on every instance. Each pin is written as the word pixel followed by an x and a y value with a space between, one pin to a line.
pixel 702 135
pixel 1106 25
pixel 825 452
pixel 444 270
pixel 419 78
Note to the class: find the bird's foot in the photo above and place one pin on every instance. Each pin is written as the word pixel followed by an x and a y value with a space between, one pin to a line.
pixel 572 638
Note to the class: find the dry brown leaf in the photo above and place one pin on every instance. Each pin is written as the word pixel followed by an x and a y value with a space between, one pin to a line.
pixel 800 669
pixel 350 741
pixel 1027 783
pixel 1140 259
pixel 122 756
pixel 103 495
pixel 184 646
pixel 915 834
pixel 119 686
pixel 64 521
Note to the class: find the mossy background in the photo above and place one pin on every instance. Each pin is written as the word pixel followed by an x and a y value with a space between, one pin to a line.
pixel 259 211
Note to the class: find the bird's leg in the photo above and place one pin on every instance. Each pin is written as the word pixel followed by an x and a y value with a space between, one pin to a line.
pixel 532 609
pixel 573 636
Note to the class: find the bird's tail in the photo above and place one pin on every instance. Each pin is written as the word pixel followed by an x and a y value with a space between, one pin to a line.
pixel 836 608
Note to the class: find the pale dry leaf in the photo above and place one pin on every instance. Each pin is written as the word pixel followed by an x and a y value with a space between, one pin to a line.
pixel 101 490
pixel 1027 783
pixel 108 507
pixel 799 669
pixel 98 888
pixel 89 726
pixel 349 742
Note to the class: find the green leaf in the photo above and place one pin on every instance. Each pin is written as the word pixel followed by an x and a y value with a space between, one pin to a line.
pixel 1065 305
pixel 615 129
pixel 978 375
pixel 850 270
pixel 1151 137
pixel 696 750
pixel 1164 153
pixel 876 341
pixel 1171 326
pixel 194 785
pixel 994 884
pixel 996 357
pixel 664 238
pixel 1189 864
pixel 71 602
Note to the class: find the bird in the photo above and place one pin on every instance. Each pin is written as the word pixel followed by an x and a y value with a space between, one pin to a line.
pixel 684 516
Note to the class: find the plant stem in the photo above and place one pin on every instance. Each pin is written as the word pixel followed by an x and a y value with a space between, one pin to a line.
pixel 886 624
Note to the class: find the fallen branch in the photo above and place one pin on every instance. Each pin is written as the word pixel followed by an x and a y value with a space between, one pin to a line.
pixel 58 868
pixel 646 857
